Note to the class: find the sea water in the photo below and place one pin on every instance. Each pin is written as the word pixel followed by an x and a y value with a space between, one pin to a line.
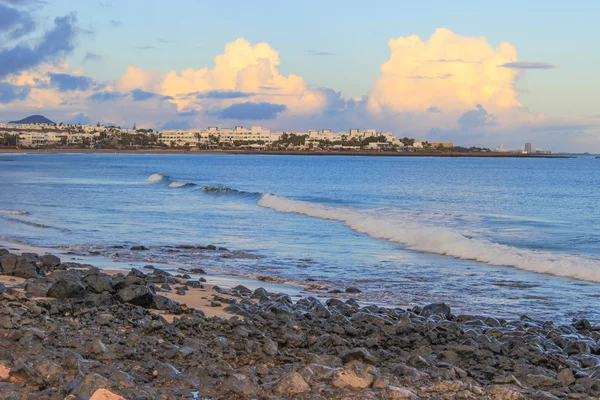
pixel 502 236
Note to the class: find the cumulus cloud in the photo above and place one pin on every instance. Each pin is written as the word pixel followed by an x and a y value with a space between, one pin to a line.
pixel 448 70
pixel 141 95
pixel 106 96
pixel 223 94
pixel 527 65
pixel 57 42
pixel 10 93
pixel 242 68
pixel 67 82
pixel 14 23
pixel 79 118
pixel 251 111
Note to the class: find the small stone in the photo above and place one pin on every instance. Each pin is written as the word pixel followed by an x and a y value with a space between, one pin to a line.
pixel 565 377
pixel 290 384
pixel 395 392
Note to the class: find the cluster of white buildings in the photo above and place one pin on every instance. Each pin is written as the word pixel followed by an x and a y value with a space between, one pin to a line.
pixel 40 135
pixel 258 136
pixel 526 149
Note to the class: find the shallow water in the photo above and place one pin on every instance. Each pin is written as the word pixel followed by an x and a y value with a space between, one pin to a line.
pixel 499 236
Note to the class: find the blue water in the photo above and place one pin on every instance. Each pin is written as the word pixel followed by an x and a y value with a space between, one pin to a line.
pixel 502 236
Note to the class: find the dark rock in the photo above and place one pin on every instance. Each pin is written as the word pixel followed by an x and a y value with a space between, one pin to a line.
pixel 441 309
pixel 358 354
pixel 165 372
pixel 180 291
pixel 88 385
pixel 67 286
pixel 136 294
pixel 139 248
pixel 98 281
pixel 353 289
pixel 242 289
pixel 164 303
pixel 199 271
pixel 50 262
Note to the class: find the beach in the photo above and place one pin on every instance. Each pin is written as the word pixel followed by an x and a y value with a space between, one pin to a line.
pixel 69 329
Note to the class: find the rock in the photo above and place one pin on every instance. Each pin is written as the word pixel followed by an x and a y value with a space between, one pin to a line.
pixel 104 319
pixel 199 271
pixel 164 303
pixel 25 266
pixel 539 381
pixel 565 377
pixel 348 378
pixel 148 267
pixel 353 289
pixel 504 392
pixel 98 281
pixel 36 289
pixel 90 384
pixel 165 372
pixel 440 309
pixel 103 394
pixel 358 354
pixel 66 287
pixel 180 291
pixel 290 384
pixel 577 346
pixel 136 294
pixel 139 248
pixel 242 289
pixel 50 262
pixel 395 392
pixel 240 384
pixel 215 303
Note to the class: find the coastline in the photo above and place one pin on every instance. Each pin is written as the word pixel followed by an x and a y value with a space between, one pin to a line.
pixel 277 152
pixel 68 322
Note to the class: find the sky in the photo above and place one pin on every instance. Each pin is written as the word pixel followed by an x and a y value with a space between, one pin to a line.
pixel 478 73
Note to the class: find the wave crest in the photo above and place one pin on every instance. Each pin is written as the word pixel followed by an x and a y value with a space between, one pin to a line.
pixel 442 241
pixel 13 212
pixel 156 178
pixel 177 185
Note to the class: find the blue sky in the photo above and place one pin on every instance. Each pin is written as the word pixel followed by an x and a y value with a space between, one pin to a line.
pixel 337 45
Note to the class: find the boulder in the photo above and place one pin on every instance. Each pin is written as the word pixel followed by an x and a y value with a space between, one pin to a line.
pixel 97 281
pixel 358 354
pixel 439 309
pixel 50 262
pixel 136 294
pixel 291 384
pixel 67 286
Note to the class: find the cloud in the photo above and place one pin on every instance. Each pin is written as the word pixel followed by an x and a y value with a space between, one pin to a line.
pixel 251 111
pixel 15 23
pixel 188 113
pixel 223 94
pixel 175 125
pixel 243 67
pixel 92 57
pixel 145 47
pixel 10 93
pixel 434 110
pixel 141 95
pixel 319 53
pixel 527 65
pixel 66 82
pixel 56 42
pixel 106 96
pixel 115 24
pixel 160 40
pixel 80 118
pixel 474 119
pixel 420 73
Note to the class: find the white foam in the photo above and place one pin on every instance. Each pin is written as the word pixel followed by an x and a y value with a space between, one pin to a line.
pixel 176 185
pixel 442 241
pixel 155 178
pixel 13 212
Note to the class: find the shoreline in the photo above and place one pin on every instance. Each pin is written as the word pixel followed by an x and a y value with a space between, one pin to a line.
pixel 278 152
pixel 67 322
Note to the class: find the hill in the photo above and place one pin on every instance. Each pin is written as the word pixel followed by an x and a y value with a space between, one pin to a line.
pixel 33 119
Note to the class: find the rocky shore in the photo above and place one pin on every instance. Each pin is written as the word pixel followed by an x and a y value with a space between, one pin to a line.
pixel 71 331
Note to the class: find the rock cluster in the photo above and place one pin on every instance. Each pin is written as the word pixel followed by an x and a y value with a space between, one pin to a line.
pixel 96 338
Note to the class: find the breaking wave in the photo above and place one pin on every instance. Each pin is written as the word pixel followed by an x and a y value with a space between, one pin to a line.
pixel 228 191
pixel 177 185
pixel 156 178
pixel 13 212
pixel 443 241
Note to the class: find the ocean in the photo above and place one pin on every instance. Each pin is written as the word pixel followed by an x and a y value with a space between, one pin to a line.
pixel 497 236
